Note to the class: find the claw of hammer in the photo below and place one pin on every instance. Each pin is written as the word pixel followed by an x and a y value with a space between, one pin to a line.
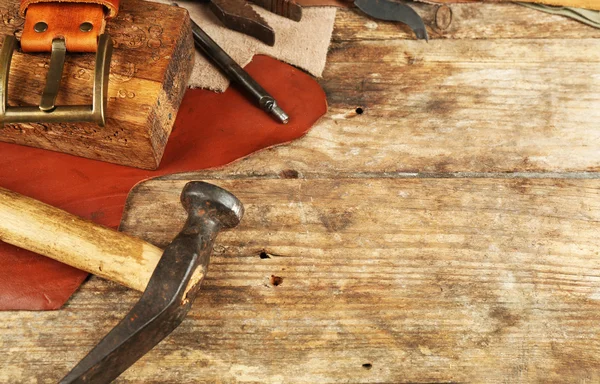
pixel 171 289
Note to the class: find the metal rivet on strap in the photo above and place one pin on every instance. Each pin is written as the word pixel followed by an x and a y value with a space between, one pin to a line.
pixel 40 27
pixel 86 27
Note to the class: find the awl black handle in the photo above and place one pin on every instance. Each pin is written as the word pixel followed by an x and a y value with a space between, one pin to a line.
pixel 235 73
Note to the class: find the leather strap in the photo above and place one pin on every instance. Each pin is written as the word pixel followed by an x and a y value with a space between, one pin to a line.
pixel 78 22
pixel 61 26
pixel 111 5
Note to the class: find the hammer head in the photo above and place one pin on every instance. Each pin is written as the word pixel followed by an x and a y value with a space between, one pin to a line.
pixel 171 289
pixel 205 203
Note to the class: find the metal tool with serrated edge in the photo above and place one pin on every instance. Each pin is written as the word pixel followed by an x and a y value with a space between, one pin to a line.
pixel 239 16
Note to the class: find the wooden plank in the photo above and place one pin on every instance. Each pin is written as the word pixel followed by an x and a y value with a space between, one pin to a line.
pixel 587 4
pixel 383 280
pixel 503 105
pixel 508 89
pixel 151 64
pixel 467 21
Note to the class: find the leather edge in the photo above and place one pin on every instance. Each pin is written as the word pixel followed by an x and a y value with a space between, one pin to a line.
pixel 111 5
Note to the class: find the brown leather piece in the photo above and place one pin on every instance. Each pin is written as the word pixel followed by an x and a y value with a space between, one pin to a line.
pixel 63 21
pixel 211 130
pixel 112 6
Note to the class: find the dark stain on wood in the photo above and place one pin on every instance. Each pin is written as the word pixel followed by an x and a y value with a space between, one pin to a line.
pixel 336 220
pixel 276 280
pixel 522 186
pixel 289 174
pixel 504 317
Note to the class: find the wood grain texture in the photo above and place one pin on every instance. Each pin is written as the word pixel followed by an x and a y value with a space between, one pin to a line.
pixel 150 67
pixel 467 21
pixel 379 280
pixel 384 275
pixel 508 89
pixel 587 4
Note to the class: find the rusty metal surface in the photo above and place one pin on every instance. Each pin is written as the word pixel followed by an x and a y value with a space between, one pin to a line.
pixel 286 8
pixel 239 16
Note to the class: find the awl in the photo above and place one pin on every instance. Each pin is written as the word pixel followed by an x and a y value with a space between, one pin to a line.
pixel 235 73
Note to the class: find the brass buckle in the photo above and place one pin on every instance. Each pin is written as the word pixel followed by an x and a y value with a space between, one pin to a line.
pixel 47 112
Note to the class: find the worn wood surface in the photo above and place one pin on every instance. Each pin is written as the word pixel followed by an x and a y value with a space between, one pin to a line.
pixel 449 233
pixel 503 89
pixel 151 64
pixel 587 4
pixel 378 280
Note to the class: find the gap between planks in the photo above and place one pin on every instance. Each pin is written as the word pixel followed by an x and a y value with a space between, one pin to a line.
pixel 284 174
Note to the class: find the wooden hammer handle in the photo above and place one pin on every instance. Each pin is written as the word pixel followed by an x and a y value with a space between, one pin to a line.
pixel 52 232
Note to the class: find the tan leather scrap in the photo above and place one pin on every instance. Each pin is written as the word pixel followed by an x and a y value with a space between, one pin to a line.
pixel 78 22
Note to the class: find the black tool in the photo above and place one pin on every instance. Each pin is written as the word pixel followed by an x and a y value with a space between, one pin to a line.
pixel 235 73
pixel 393 11
pixel 239 16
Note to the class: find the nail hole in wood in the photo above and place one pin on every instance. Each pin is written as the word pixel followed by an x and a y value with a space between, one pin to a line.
pixel 264 255
pixel 367 366
pixel 359 111
pixel 276 280
pixel 289 174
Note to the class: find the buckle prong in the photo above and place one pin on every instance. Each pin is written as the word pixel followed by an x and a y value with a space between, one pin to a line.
pixel 47 111
pixel 57 62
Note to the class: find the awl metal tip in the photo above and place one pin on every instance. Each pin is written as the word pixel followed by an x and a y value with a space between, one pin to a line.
pixel 279 114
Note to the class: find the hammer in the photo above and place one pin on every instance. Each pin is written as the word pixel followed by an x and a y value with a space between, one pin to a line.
pixel 170 280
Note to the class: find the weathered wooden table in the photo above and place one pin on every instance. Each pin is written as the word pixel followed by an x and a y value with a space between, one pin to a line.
pixel 440 224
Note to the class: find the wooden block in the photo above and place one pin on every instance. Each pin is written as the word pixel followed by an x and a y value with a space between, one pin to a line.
pixel 150 67
pixel 382 280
